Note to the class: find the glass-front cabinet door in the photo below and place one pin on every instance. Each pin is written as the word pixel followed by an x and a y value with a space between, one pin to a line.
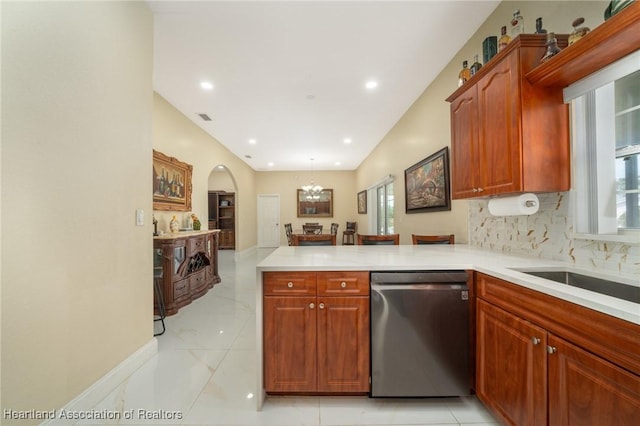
pixel 179 259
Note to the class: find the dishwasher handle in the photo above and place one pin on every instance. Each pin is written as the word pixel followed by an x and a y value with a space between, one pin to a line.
pixel 431 287
pixel 419 277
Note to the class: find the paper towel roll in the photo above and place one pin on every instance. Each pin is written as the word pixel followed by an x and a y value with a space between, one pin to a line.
pixel 524 204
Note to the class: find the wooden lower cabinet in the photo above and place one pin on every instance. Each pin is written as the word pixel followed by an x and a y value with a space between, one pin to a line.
pixel 316 343
pixel 511 366
pixel 343 344
pixel 290 343
pixel 528 374
pixel 586 390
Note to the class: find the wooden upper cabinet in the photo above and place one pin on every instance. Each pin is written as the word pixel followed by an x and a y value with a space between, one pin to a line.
pixel 464 133
pixel 506 136
pixel 499 147
pixel 612 40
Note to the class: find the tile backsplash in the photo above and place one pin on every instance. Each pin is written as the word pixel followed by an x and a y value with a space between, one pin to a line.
pixel 548 234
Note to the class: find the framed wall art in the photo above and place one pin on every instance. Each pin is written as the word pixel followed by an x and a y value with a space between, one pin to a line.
pixel 319 206
pixel 171 183
pixel 362 202
pixel 426 184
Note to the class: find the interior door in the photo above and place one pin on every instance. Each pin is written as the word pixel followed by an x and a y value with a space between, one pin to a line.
pixel 268 220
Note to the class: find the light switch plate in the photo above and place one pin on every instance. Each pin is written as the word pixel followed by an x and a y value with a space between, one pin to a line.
pixel 139 217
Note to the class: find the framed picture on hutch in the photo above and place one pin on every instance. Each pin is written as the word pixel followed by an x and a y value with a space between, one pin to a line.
pixel 171 183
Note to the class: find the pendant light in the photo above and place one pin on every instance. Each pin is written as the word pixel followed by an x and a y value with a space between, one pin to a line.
pixel 312 191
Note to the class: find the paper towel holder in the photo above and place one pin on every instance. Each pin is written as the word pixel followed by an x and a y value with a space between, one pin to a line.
pixel 516 205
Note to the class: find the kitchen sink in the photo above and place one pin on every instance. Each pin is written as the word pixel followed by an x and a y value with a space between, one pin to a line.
pixel 598 285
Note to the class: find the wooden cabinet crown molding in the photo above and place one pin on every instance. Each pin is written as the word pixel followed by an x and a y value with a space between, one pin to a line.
pixel 605 44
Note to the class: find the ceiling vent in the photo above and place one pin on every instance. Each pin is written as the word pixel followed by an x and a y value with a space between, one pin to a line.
pixel 205 117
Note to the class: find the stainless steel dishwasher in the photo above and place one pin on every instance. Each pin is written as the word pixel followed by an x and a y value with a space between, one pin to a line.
pixel 419 334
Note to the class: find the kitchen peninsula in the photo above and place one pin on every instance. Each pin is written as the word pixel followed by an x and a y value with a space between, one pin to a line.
pixel 602 330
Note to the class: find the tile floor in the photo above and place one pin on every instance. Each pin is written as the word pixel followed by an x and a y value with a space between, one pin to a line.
pixel 205 373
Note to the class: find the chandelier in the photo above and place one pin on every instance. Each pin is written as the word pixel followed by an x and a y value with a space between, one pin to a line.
pixel 312 191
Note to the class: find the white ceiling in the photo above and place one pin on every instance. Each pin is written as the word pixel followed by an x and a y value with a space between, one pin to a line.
pixel 291 75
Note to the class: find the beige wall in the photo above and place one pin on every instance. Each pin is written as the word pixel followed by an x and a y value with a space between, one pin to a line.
pixel 286 185
pixel 177 136
pixel 425 127
pixel 76 147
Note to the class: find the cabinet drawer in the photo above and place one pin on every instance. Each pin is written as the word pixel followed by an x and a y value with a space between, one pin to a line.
pixel 289 283
pixel 195 245
pixel 198 280
pixel 342 283
pixel 180 289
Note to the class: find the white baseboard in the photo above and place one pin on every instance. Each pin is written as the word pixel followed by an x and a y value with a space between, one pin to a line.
pixel 99 390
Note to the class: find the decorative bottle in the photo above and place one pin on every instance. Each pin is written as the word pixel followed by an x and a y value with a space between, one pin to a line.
pixel 578 31
pixel 196 222
pixel 517 24
pixel 465 74
pixel 504 39
pixel 539 29
pixel 552 47
pixel 174 225
pixel 475 67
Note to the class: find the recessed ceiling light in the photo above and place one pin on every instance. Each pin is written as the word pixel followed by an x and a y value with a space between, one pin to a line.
pixel 270 164
pixel 371 84
pixel 206 85
pixel 252 141
pixel 347 140
pixel 337 163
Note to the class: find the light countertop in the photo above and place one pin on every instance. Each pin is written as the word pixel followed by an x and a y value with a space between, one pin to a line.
pixel 183 234
pixel 457 256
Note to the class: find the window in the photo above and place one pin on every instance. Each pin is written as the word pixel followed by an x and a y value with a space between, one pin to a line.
pixel 627 99
pixel 384 209
pixel 605 110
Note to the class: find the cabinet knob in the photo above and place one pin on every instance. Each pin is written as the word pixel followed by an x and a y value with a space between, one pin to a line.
pixel 551 349
pixel 480 189
pixel 321 305
pixel 290 284
pixel 343 284
pixel 474 189
pixel 311 305
pixel 535 340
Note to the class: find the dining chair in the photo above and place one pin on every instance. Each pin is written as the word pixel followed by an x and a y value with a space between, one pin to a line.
pixel 433 239
pixel 289 231
pixel 366 240
pixel 334 229
pixel 312 229
pixel 314 240
pixel 348 235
